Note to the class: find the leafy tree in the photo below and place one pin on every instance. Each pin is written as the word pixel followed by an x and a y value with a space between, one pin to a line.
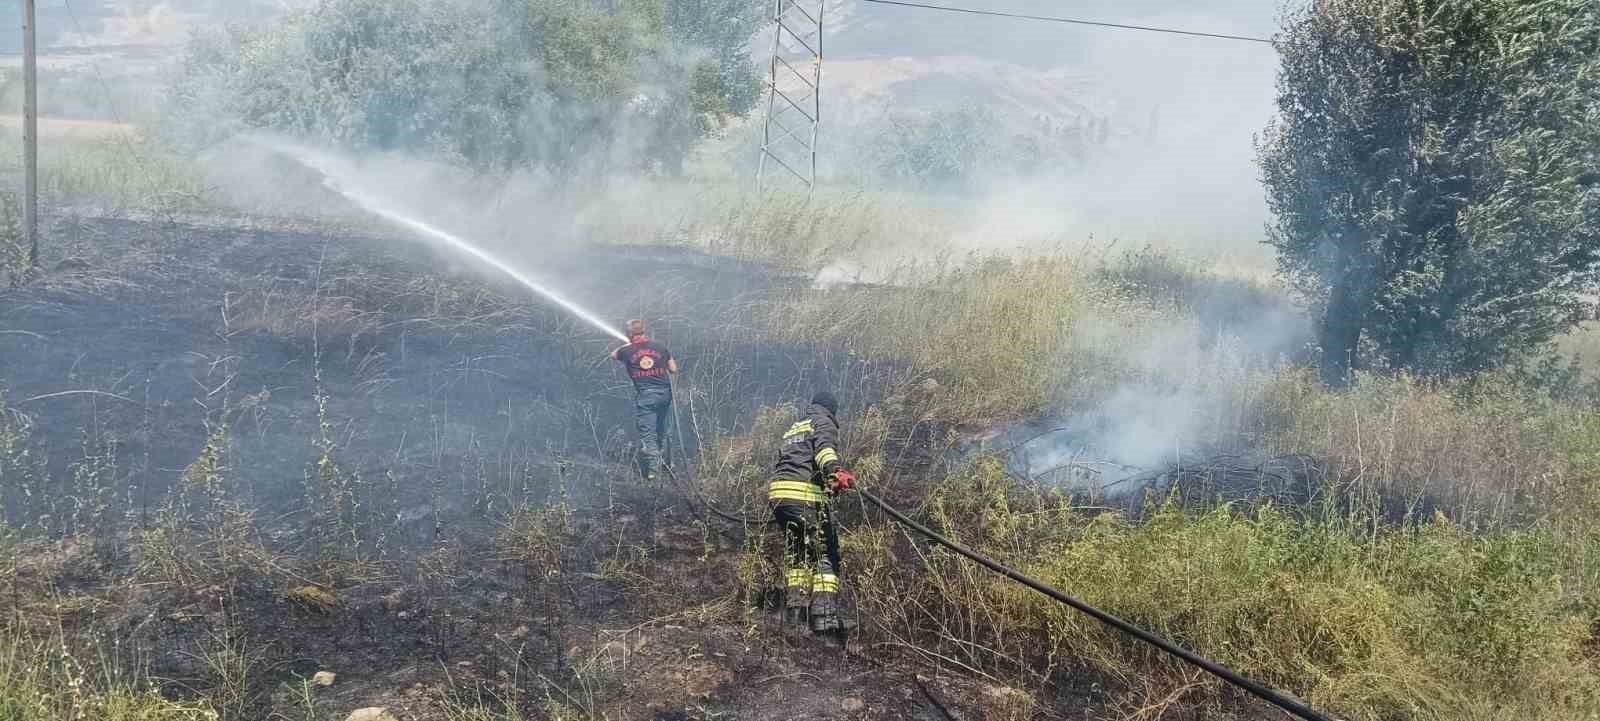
pixel 1430 176
pixel 942 149
pixel 490 83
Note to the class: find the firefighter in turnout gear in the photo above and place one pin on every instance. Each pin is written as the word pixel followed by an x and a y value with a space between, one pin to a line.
pixel 807 474
pixel 648 364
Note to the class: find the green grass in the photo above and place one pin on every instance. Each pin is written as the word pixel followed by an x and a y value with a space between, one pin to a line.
pixel 39 682
pixel 1433 621
pixel 126 171
pixel 1583 343
pixel 1430 621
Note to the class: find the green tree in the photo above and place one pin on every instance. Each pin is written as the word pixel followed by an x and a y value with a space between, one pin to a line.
pixel 956 149
pixel 490 83
pixel 942 149
pixel 1429 173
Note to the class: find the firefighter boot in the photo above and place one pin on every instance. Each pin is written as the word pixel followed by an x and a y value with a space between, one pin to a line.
pixel 824 613
pixel 647 465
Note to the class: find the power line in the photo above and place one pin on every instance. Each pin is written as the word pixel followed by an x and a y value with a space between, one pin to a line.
pixel 1072 21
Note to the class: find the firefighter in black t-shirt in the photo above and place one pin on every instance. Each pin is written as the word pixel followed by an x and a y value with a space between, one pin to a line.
pixel 648 364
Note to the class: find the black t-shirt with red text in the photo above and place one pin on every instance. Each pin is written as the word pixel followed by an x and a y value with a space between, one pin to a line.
pixel 646 362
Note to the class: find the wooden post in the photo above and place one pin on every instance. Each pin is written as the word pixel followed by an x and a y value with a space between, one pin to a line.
pixel 30 136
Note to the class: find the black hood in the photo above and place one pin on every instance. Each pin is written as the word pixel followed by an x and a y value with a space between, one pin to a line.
pixel 827 401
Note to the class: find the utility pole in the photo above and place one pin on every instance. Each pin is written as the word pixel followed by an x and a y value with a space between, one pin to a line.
pixel 794 92
pixel 30 136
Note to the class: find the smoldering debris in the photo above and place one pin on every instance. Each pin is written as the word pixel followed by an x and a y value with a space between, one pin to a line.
pixel 1064 458
pixel 1203 481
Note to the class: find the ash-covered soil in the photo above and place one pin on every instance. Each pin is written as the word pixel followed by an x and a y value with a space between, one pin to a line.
pixel 152 330
pixel 456 396
pixel 480 629
pixel 225 383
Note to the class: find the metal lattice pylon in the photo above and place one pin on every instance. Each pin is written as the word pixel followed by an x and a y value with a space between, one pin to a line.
pixel 794 93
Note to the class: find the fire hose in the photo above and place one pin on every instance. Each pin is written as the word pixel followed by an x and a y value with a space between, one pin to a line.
pixel 1274 697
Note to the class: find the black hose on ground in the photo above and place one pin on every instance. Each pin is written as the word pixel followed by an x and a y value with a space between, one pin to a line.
pixel 693 494
pixel 1269 695
pixel 1275 698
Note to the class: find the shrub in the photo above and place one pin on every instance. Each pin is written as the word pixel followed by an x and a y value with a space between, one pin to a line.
pixel 1430 621
pixel 1400 446
pixel 492 85
pixel 1431 176
pixel 992 333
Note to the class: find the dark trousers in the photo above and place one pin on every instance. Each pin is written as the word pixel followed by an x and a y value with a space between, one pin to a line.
pixel 651 409
pixel 811 550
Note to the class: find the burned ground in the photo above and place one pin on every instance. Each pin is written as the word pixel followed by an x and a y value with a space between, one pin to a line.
pixel 484 629
pixel 223 385
pixel 234 454
pixel 153 330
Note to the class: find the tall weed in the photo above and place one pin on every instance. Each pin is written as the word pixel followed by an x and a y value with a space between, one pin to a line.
pixel 992 333
pixel 1428 621
pixel 39 681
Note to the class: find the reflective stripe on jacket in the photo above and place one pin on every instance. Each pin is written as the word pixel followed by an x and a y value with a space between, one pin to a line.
pixel 808 455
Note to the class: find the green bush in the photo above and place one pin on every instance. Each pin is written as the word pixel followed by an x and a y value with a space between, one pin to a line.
pixel 961 148
pixel 494 85
pixel 1430 173
pixel 1426 622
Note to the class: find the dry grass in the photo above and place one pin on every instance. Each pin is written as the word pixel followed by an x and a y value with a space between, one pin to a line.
pixel 1486 454
pixel 201 533
pixel 991 334
pixel 41 681
pixel 1429 622
pixel 1478 606
pixel 119 170
pixel 14 250
pixel 293 314
pixel 1482 612
pixel 789 231
pixel 233 667
pixel 536 540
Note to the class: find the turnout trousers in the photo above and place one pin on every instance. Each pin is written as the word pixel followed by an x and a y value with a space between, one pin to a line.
pixel 811 561
pixel 651 409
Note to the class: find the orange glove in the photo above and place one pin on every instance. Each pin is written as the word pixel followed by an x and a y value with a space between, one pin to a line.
pixel 842 480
